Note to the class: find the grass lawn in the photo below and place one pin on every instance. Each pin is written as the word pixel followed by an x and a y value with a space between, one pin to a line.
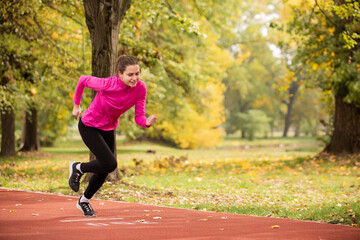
pixel 268 177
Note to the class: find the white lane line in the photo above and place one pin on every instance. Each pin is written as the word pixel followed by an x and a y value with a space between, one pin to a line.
pixel 91 219
pixel 97 224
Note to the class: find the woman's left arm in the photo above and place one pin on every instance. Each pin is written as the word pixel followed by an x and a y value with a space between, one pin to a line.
pixel 140 117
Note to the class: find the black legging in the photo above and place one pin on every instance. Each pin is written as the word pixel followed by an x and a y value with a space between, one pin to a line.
pixel 101 144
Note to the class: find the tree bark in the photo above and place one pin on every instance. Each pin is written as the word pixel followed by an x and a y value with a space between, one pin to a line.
pixel 103 19
pixel 8 133
pixel 30 140
pixel 346 135
pixel 294 86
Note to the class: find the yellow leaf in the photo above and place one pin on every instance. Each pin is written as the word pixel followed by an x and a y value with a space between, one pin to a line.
pixel 54 35
pixel 275 226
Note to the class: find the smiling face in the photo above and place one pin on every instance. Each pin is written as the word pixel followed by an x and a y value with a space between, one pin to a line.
pixel 131 75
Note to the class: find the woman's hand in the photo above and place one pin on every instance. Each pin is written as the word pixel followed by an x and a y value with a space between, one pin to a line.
pixel 151 120
pixel 76 111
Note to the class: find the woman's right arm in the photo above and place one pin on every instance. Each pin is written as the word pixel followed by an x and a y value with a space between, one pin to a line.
pixel 94 83
pixel 97 84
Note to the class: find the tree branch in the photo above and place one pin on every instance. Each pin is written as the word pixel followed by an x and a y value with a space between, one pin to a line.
pixel 50 5
pixel 170 7
pixel 323 12
pixel 51 39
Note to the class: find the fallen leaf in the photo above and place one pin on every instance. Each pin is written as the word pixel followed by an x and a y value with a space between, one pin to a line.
pixel 35 214
pixel 221 229
pixel 224 217
pixel 275 226
pixel 204 219
pixel 209 216
pixel 157 210
pixel 157 217
pixel 147 215
pixel 101 203
pixel 12 210
pixel 19 204
pixel 141 220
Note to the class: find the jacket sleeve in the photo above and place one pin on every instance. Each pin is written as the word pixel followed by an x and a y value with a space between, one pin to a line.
pixel 140 117
pixel 97 84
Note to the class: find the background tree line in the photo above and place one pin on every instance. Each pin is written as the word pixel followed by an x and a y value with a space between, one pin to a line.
pixel 248 66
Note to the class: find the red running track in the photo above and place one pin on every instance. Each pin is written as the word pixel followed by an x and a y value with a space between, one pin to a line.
pixel 31 215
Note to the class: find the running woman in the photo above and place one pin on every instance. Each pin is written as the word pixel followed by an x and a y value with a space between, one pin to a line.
pixel 115 95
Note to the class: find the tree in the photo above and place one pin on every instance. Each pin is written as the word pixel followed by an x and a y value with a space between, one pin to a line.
pixel 103 19
pixel 182 67
pixel 8 132
pixel 254 121
pixel 13 69
pixel 34 78
pixel 249 84
pixel 30 140
pixel 289 84
pixel 7 103
pixel 249 81
pixel 328 34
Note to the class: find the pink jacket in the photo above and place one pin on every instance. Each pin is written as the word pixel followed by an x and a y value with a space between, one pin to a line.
pixel 113 98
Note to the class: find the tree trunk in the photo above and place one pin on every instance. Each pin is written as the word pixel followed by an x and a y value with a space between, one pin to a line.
pixel 346 135
pixel 103 19
pixel 243 134
pixel 297 130
pixel 30 140
pixel 8 133
pixel 294 86
pixel 287 118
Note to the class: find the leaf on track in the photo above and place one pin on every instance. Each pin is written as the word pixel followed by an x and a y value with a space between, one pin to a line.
pixel 275 226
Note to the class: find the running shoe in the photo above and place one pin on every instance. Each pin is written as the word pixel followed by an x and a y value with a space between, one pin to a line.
pixel 86 209
pixel 74 177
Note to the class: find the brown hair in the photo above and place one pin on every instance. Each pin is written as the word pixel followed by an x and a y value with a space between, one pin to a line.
pixel 124 61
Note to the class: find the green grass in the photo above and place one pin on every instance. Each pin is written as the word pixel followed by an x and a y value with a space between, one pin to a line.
pixel 273 177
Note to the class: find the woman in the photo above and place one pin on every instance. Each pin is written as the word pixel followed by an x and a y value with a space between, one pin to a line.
pixel 115 95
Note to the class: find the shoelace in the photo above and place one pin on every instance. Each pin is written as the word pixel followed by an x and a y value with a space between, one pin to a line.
pixel 87 207
pixel 77 178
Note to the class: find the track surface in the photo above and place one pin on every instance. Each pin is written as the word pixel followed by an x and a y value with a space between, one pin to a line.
pixel 31 215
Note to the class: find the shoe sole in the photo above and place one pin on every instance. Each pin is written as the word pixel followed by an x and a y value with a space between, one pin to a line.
pixel 79 207
pixel 70 173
